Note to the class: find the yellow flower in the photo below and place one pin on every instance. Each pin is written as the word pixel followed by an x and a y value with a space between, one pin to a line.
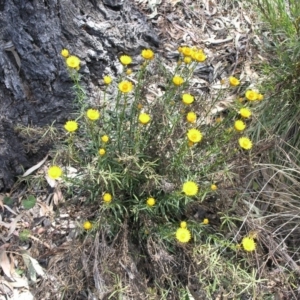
pixel 245 112
pixel 150 202
pixel 54 172
pixel 125 86
pixel 191 117
pixel 71 126
pixel 213 187
pixel 205 221
pixel 187 60
pixel 186 51
pixel 251 95
pixel 260 97
pixel 233 81
pixel 144 118
pixel 107 79
pixel 245 143
pixel 105 138
pixel 107 197
pixel 239 125
pixel 248 244
pixel 187 99
pixel 125 60
pixel 87 225
pixel 194 135
pixel 147 54
pixel 128 71
pixel 93 114
pixel 101 151
pixel 180 49
pixel 183 224
pixel 73 62
pixel 177 80
pixel 65 53
pixel 183 235
pixel 199 56
pixel 190 188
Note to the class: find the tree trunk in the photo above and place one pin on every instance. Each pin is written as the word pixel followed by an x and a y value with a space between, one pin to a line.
pixel 35 89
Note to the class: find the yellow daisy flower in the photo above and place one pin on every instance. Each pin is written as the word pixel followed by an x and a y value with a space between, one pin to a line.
pixel 128 71
pixel 251 95
pixel 187 60
pixel 105 138
pixel 101 151
pixel 183 235
pixel 191 117
pixel 107 197
pixel 194 135
pixel 248 244
pixel 260 97
pixel 125 86
pixel 73 62
pixel 205 221
pixel 147 54
pixel 93 114
pixel 239 125
pixel 233 81
pixel 125 60
pixel 186 51
pixel 199 56
pixel 213 187
pixel 71 126
pixel 245 112
pixel 87 225
pixel 150 202
pixel 187 99
pixel 107 79
pixel 190 188
pixel 178 80
pixel 54 172
pixel 144 118
pixel 245 143
pixel 64 53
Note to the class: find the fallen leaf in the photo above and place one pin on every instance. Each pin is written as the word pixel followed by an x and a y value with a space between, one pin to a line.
pixel 5 264
pixel 35 167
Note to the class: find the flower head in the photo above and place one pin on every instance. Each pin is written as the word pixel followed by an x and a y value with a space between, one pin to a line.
pixel 205 221
pixel 183 235
pixel 183 224
pixel 93 114
pixel 101 151
pixel 128 71
pixel 248 244
pixel 251 95
pixel 190 188
pixel 105 138
pixel 177 80
pixel 125 60
pixel 187 60
pixel 54 172
pixel 125 86
pixel 150 202
pixel 87 225
pixel 191 117
pixel 199 56
pixel 107 79
pixel 73 62
pixel 144 118
pixel 245 143
pixel 186 51
pixel 194 135
pixel 233 81
pixel 64 53
pixel 213 187
pixel 71 126
pixel 245 112
pixel 147 54
pixel 187 99
pixel 260 97
pixel 239 125
pixel 107 197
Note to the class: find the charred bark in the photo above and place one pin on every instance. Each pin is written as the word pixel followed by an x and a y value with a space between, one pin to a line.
pixel 35 88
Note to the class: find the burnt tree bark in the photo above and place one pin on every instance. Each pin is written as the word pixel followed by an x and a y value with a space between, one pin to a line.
pixel 35 88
